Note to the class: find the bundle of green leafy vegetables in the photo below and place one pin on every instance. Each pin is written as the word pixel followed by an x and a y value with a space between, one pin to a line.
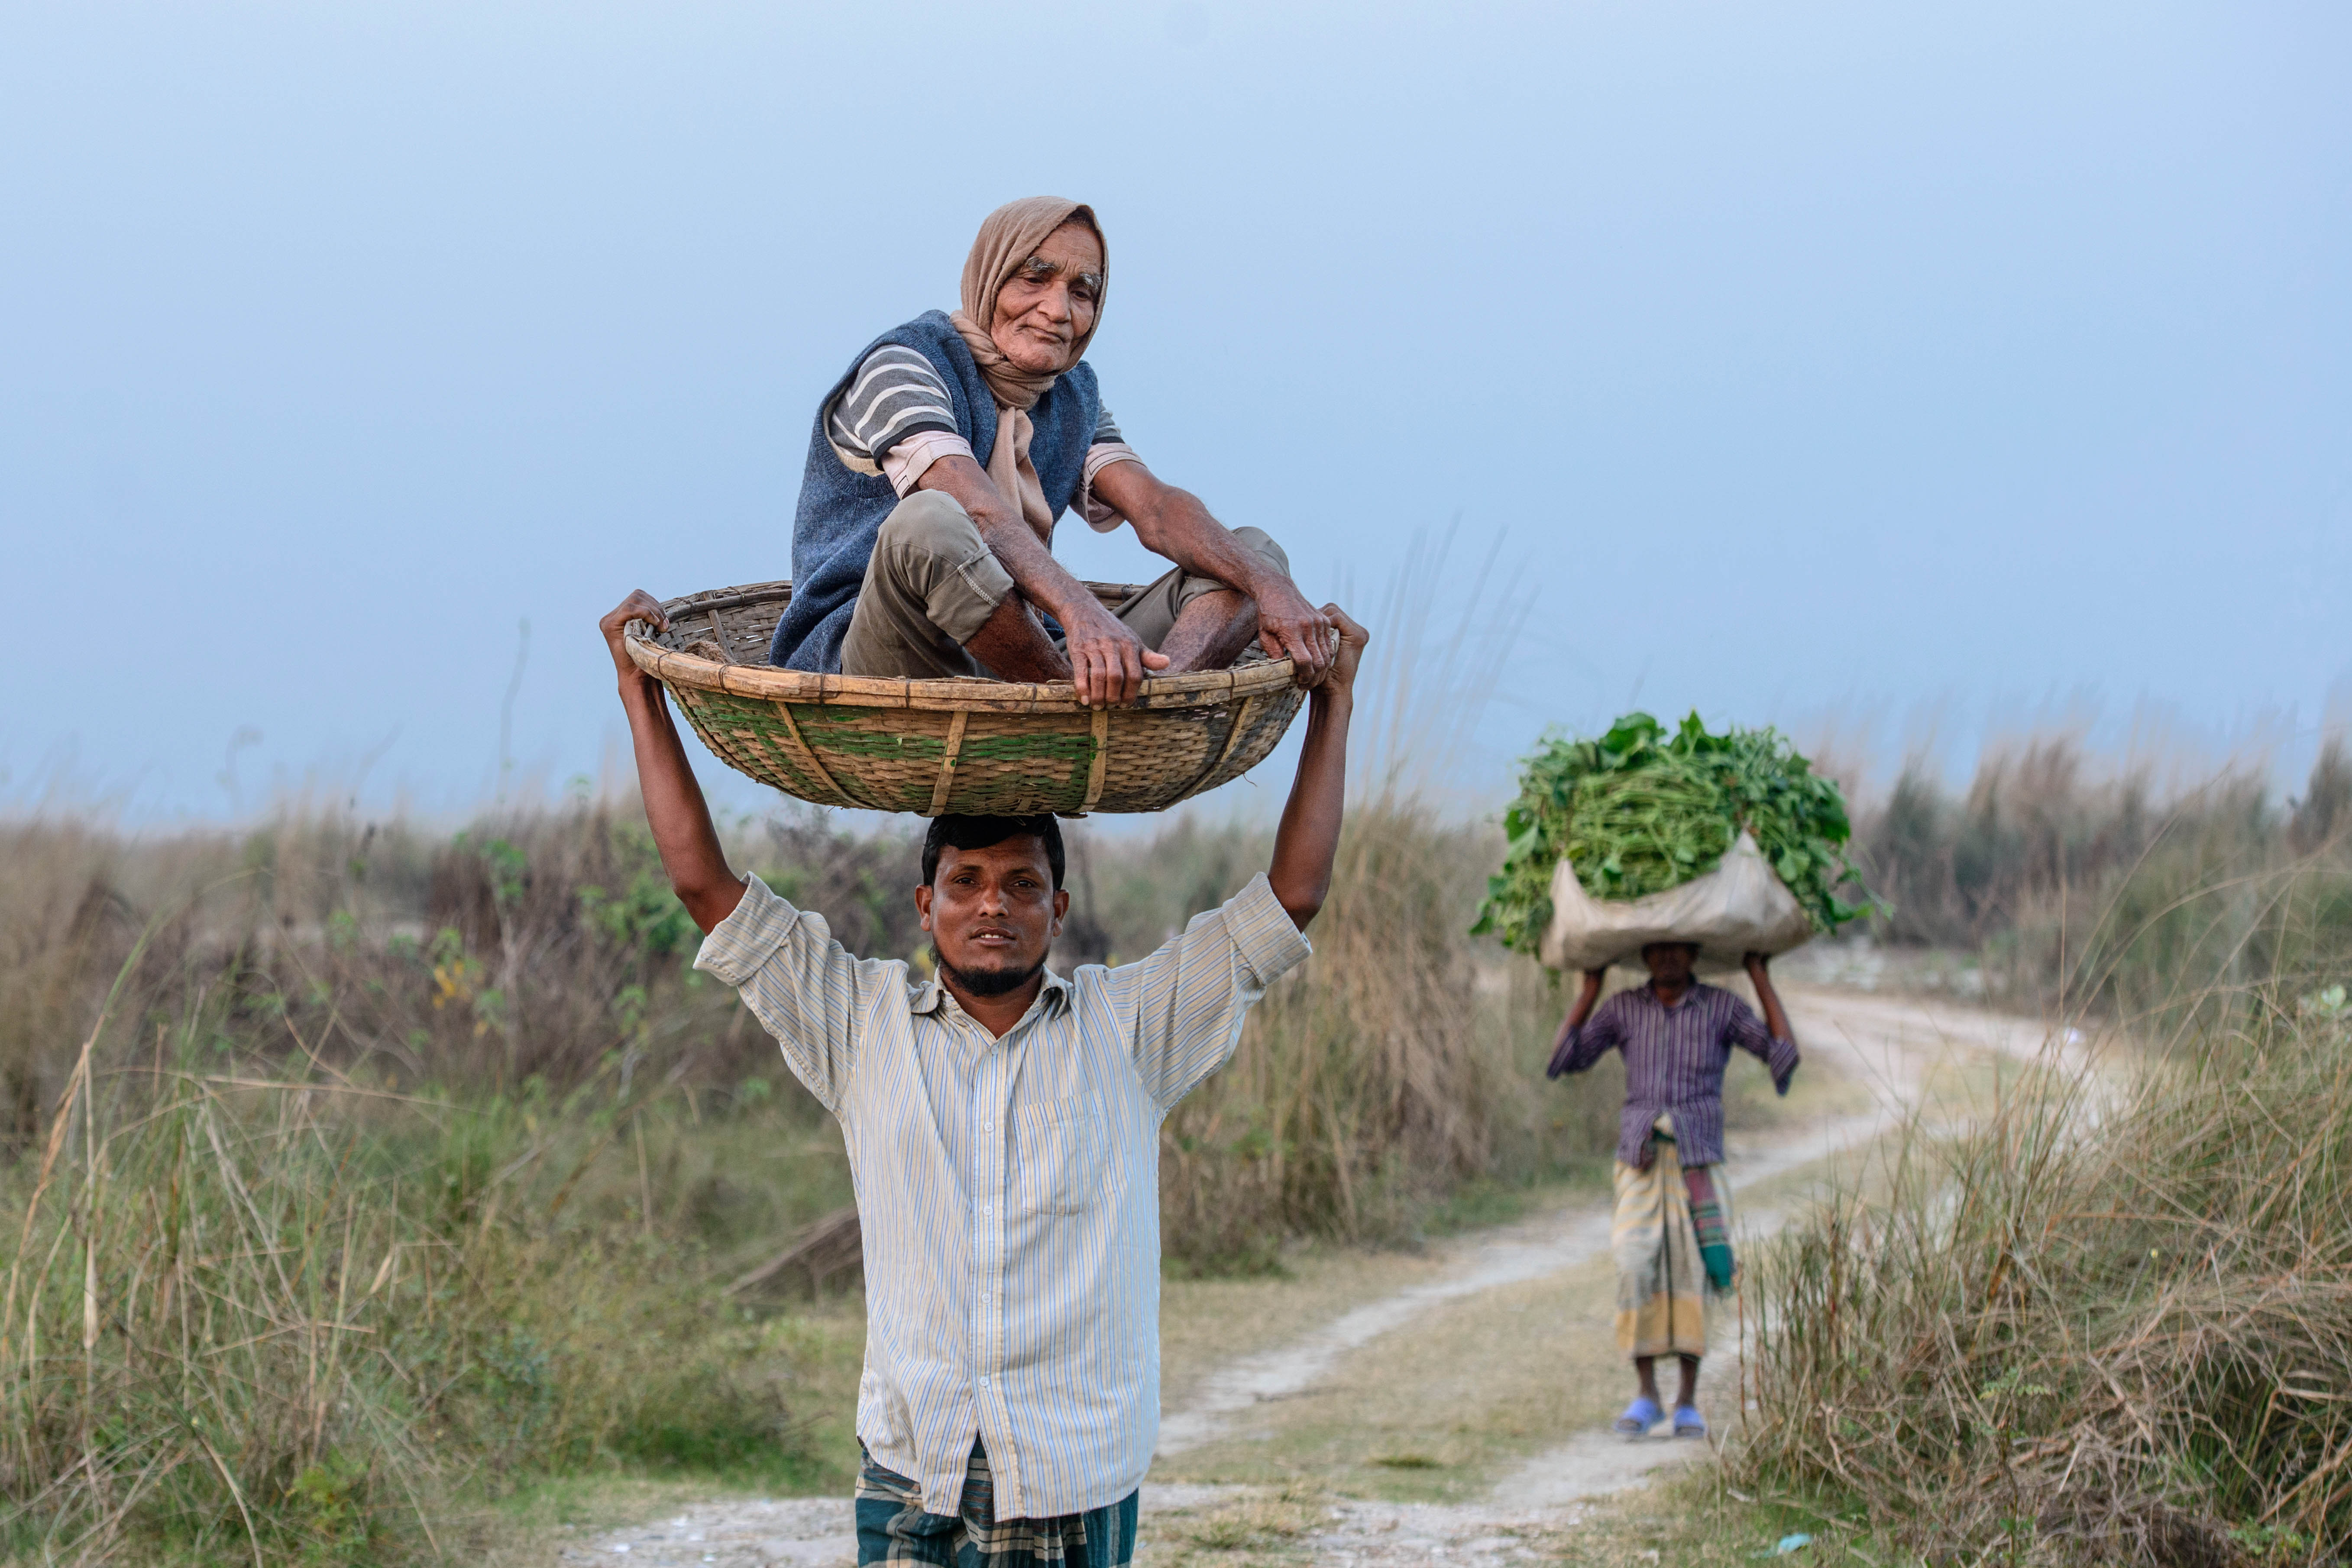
pixel 1642 809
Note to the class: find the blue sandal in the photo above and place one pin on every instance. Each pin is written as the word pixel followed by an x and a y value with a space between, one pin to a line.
pixel 1639 1418
pixel 1688 1422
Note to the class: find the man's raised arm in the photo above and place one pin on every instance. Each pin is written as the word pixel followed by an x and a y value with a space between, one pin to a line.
pixel 1309 835
pixel 674 804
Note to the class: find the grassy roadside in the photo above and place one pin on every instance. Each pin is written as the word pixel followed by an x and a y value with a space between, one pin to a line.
pixel 2112 1320
pixel 325 1324
pixel 823 1344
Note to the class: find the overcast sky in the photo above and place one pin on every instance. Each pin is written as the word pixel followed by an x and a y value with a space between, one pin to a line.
pixel 1954 367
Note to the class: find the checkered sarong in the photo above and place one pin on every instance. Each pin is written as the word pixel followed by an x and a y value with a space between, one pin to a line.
pixel 1662 1275
pixel 893 1528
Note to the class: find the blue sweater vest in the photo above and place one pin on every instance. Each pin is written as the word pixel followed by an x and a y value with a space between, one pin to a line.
pixel 841 511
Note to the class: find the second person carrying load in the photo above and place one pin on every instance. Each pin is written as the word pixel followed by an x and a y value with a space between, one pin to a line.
pixel 1674 847
pixel 1730 842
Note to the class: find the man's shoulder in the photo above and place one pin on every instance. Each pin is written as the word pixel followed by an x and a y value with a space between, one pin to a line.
pixel 1620 1002
pixel 1722 1007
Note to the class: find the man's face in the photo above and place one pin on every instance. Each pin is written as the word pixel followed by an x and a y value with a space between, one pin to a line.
pixel 1669 961
pixel 992 913
pixel 1051 301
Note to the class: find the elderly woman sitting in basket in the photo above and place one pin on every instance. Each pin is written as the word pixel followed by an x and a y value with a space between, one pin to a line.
pixel 922 546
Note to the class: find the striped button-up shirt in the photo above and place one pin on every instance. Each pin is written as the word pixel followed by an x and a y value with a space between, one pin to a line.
pixel 1675 1058
pixel 1009 1189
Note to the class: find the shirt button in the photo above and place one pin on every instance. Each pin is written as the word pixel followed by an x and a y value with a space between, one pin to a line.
pixel 984 1381
pixel 988 1127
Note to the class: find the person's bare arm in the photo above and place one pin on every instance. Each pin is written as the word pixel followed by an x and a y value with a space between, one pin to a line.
pixel 1173 525
pixel 1308 838
pixel 1107 661
pixel 675 808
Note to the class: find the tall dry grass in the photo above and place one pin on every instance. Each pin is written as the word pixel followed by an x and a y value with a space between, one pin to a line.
pixel 297 1318
pixel 2113 1322
pixel 355 1172
pixel 533 945
pixel 1390 1070
pixel 2084 889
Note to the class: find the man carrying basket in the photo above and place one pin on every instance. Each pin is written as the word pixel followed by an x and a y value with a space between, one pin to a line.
pixel 1003 1125
pixel 1670 1231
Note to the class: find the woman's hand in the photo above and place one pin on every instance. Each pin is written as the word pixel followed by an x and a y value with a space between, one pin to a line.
pixel 1108 661
pixel 1289 627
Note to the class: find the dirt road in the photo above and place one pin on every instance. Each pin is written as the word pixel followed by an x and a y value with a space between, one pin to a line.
pixel 1481 1434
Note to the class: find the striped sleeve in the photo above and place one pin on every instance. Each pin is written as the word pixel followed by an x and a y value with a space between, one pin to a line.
pixel 1744 1030
pixel 1598 1035
pixel 1108 447
pixel 803 987
pixel 1183 1006
pixel 894 393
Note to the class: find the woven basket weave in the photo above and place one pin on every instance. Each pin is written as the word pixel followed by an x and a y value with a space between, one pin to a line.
pixel 984 747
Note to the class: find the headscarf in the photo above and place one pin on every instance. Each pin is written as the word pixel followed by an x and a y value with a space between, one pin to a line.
pixel 1009 237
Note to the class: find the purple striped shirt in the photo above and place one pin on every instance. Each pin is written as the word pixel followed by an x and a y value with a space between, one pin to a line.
pixel 1675 1058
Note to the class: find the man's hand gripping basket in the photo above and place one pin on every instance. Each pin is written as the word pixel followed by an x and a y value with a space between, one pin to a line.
pixel 984 747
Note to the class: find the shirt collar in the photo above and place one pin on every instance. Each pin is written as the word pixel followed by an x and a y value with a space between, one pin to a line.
pixel 1690 994
pixel 1054 996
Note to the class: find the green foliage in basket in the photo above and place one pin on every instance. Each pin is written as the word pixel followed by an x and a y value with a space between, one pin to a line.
pixel 1644 809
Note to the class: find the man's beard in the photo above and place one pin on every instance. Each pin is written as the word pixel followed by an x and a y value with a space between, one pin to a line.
pixel 985 982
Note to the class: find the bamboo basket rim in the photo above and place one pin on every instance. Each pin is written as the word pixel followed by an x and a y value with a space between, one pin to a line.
pixel 766 682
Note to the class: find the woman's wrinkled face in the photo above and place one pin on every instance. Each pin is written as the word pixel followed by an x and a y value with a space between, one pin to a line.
pixel 1049 305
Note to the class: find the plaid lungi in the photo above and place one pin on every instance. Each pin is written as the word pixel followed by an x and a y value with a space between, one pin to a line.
pixel 1662 1276
pixel 893 1528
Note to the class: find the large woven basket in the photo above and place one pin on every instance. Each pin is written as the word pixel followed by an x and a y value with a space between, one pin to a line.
pixel 985 747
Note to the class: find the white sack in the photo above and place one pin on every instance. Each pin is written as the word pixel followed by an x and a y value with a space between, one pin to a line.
pixel 1739 908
